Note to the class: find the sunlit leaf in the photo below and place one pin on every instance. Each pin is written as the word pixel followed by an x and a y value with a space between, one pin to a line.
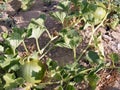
pixel 26 4
pixel 16 37
pixel 10 63
pixel 37 28
pixel 1 48
pixel 4 35
pixel 11 81
pixel 59 16
pixel 33 71
pixel 69 39
pixel 64 6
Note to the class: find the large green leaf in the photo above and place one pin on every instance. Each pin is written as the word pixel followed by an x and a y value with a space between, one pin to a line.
pixel 11 82
pixel 37 27
pixel 16 37
pixel 69 39
pixel 60 16
pixel 9 63
pixel 15 40
pixel 33 71
pixel 64 6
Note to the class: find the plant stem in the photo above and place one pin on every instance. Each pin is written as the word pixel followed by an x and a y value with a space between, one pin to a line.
pixel 50 83
pixel 113 63
pixel 74 53
pixel 91 38
pixel 48 43
pixel 66 80
pixel 25 47
pixel 14 53
pixel 38 46
pixel 45 53
pixel 111 67
pixel 82 72
pixel 48 34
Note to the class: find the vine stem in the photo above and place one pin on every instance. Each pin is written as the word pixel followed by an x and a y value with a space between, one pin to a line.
pixel 91 38
pixel 66 80
pixel 25 46
pixel 48 34
pixel 38 46
pixel 43 54
pixel 111 67
pixel 74 53
pixel 48 43
pixel 82 72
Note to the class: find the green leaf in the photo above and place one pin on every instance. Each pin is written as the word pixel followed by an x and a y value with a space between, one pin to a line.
pixel 93 79
pixel 93 57
pixel 16 37
pixel 115 57
pixel 52 65
pixel 64 6
pixel 1 48
pixel 57 76
pixel 26 4
pixel 7 47
pixel 69 39
pixel 14 67
pixel 60 16
pixel 76 2
pixel 10 63
pixel 11 81
pixel 79 78
pixel 36 33
pixel 33 71
pixel 70 86
pixel 5 35
pixel 37 27
pixel 15 41
pixel 34 56
pixel 114 22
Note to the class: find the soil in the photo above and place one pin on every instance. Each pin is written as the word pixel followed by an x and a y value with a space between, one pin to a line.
pixel 110 79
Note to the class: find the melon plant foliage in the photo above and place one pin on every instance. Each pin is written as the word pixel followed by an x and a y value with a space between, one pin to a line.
pixel 34 70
